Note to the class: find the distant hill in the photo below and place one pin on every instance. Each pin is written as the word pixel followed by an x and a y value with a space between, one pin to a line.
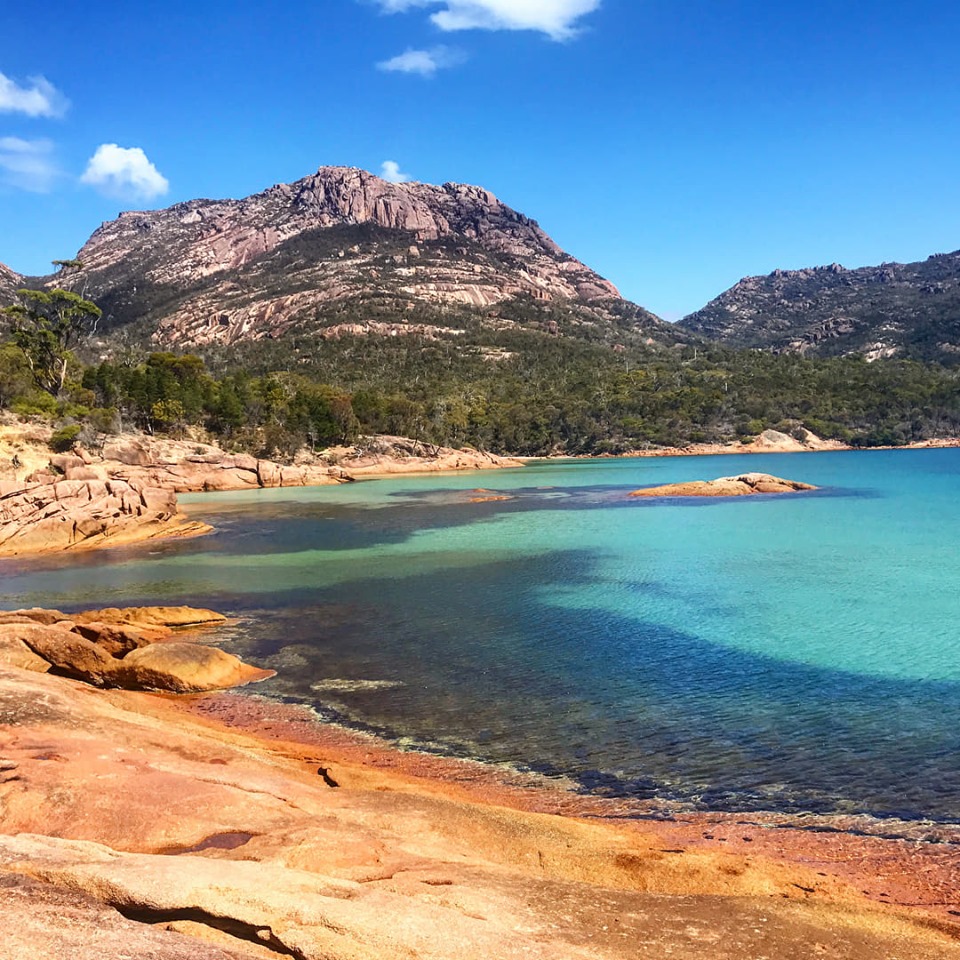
pixel 343 252
pixel 895 310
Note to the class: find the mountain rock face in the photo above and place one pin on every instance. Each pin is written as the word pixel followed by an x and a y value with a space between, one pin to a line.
pixel 895 310
pixel 10 282
pixel 221 271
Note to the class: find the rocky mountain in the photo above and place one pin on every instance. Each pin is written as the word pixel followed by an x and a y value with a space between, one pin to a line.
pixel 338 252
pixel 9 283
pixel 894 310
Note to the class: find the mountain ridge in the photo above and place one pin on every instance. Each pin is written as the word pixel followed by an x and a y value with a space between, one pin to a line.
pixel 898 310
pixel 208 272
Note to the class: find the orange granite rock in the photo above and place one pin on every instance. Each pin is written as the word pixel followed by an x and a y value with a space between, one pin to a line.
pixel 69 514
pixel 122 653
pixel 119 808
pixel 738 486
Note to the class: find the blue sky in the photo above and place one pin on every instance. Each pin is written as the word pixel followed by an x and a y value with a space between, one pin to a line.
pixel 674 147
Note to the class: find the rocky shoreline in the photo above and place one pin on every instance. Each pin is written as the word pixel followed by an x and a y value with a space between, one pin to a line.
pixel 220 826
pixel 773 441
pixel 126 493
pixel 48 516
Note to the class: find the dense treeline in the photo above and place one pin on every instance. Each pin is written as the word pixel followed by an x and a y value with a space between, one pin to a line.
pixel 517 392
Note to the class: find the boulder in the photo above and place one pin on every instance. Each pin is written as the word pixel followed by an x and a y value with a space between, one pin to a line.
pixel 185 668
pixel 66 461
pixel 14 652
pixel 128 451
pixel 153 616
pixel 116 639
pixel 84 473
pixel 68 653
pixel 34 614
pixel 113 648
pixel 268 473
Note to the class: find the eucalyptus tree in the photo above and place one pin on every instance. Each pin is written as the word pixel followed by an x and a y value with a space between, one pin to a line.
pixel 46 325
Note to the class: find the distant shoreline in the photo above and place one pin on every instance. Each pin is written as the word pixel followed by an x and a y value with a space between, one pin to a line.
pixel 751 448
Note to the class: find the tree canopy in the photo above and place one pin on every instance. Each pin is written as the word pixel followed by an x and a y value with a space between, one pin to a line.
pixel 46 325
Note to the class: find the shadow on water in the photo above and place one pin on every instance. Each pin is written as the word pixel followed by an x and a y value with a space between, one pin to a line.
pixel 300 526
pixel 624 706
pixel 476 661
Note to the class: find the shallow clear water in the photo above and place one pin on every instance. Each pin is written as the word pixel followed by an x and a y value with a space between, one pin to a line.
pixel 797 653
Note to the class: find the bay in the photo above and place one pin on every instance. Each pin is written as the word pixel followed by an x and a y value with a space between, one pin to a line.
pixel 763 653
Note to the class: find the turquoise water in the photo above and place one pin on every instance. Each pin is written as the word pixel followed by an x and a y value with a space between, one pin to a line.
pixel 791 653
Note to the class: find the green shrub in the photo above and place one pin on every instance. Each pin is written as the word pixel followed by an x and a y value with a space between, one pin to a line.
pixel 63 439
pixel 104 420
pixel 37 403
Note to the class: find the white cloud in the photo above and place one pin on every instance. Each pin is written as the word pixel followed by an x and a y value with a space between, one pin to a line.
pixel 390 171
pixel 124 172
pixel 424 62
pixel 40 99
pixel 28 164
pixel 556 18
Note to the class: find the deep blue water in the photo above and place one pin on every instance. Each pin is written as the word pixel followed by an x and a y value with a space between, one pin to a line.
pixel 798 653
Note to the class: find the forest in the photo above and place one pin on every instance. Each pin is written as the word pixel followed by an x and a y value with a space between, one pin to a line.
pixel 523 392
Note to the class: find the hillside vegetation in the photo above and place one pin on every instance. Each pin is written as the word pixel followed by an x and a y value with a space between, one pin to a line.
pixel 528 394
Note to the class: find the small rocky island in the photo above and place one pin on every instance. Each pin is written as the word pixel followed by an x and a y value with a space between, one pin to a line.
pixel 738 486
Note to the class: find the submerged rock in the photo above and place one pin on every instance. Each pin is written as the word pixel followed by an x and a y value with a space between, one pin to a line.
pixel 738 486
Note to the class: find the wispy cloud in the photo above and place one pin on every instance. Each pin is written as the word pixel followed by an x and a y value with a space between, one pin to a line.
pixel 423 62
pixel 556 18
pixel 124 172
pixel 40 99
pixel 28 164
pixel 390 171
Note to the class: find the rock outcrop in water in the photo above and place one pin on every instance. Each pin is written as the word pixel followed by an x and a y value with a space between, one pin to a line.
pixel 739 486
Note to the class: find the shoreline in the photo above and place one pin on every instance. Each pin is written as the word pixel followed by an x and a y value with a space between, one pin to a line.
pixel 209 814
pixel 750 449
pixel 864 850
pixel 831 867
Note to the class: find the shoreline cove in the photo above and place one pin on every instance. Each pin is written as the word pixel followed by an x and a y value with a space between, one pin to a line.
pixel 856 881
